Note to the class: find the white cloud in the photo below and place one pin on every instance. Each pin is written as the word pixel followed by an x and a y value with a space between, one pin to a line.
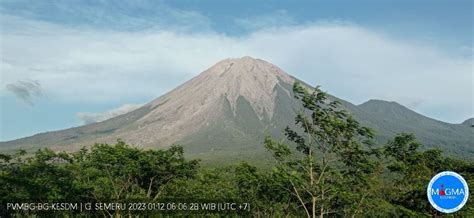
pixel 349 61
pixel 88 117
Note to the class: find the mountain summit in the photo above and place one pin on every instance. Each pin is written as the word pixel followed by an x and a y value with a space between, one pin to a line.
pixel 225 112
pixel 206 99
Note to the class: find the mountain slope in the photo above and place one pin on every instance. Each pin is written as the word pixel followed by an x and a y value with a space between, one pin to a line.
pixel 224 113
pixel 469 122
pixel 389 118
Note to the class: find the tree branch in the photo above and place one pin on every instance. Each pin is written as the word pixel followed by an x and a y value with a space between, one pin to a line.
pixel 299 198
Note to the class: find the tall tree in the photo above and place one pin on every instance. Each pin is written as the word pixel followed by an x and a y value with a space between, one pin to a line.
pixel 331 171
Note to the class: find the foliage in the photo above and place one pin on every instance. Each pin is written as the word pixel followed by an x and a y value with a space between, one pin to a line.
pixel 117 173
pixel 332 172
pixel 411 170
pixel 42 177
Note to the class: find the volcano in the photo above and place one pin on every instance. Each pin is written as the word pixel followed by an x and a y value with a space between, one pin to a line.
pixel 224 113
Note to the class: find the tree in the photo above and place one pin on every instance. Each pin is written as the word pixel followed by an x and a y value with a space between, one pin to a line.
pixel 331 170
pixel 121 172
pixel 266 192
pixel 411 171
pixel 42 177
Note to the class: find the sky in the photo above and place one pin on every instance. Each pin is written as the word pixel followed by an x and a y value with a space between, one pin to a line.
pixel 68 63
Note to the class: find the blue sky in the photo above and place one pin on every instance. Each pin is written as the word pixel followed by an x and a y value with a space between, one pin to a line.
pixel 65 63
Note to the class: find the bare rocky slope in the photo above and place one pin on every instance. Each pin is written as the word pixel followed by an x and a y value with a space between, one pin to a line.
pixel 224 113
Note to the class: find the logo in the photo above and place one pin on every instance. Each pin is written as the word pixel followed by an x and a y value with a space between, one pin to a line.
pixel 447 192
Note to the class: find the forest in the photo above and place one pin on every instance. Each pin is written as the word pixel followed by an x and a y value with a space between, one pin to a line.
pixel 329 166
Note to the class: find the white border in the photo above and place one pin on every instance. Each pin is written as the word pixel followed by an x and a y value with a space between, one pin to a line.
pixel 447 173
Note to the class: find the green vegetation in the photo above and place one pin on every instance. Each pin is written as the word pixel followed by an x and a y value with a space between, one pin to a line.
pixel 339 176
pixel 326 167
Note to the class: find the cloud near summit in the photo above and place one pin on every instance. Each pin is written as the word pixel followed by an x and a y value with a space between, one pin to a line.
pixel 85 64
